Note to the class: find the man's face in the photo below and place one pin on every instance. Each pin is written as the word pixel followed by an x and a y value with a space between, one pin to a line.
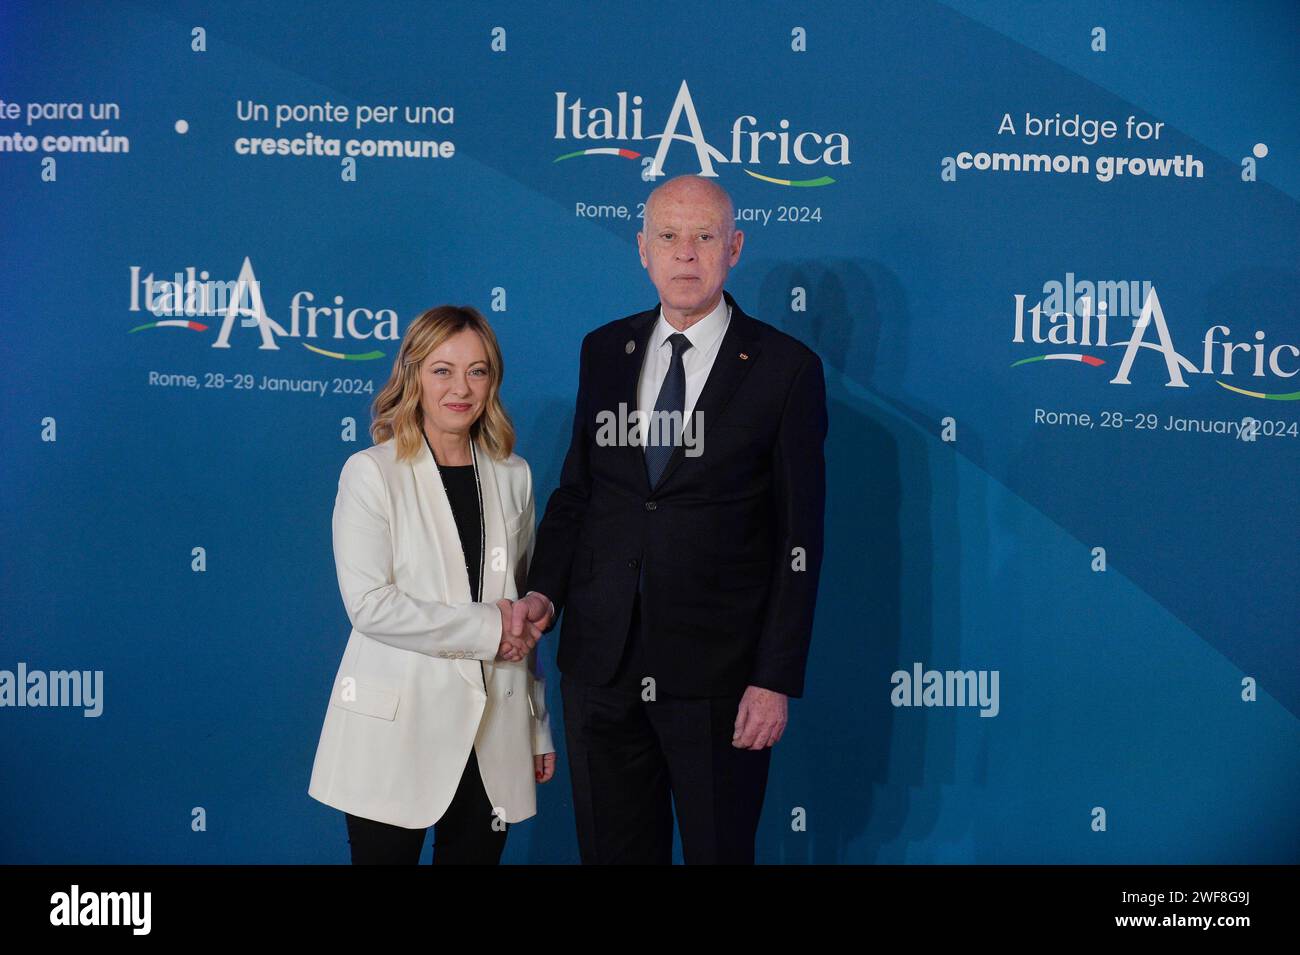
pixel 685 249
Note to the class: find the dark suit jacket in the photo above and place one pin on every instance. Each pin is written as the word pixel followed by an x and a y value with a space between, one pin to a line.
pixel 727 600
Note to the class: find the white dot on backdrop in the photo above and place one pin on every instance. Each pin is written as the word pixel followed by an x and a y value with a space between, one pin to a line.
pixel 1260 150
pixel 183 127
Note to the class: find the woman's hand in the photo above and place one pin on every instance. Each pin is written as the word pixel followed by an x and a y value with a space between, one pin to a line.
pixel 512 648
pixel 544 767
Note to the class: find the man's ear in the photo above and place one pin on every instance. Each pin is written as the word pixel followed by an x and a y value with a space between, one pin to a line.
pixel 737 240
pixel 640 247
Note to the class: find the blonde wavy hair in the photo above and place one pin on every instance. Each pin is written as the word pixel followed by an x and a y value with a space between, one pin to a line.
pixel 396 412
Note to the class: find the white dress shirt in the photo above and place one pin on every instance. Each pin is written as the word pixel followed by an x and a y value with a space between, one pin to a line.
pixel 705 337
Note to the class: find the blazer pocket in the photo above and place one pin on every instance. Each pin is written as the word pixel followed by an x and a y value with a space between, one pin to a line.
pixel 367 700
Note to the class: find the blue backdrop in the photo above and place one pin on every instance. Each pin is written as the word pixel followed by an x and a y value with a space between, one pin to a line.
pixel 1107 525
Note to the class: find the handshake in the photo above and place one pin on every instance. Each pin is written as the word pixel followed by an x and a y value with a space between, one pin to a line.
pixel 522 623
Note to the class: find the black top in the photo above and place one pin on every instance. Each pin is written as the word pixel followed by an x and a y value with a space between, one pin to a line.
pixel 462 494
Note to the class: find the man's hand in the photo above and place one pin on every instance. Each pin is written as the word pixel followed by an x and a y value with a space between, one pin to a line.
pixel 512 649
pixel 531 616
pixel 760 719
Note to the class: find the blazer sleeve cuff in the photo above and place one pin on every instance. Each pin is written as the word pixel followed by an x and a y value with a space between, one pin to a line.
pixel 788 681
pixel 541 718
pixel 486 638
pixel 542 742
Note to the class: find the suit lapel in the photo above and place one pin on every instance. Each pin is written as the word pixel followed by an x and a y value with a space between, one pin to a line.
pixel 628 362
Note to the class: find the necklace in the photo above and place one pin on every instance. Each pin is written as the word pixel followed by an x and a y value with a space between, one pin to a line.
pixel 478 495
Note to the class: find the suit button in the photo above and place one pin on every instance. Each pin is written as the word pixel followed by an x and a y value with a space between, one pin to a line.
pixel 650 505
pixel 633 562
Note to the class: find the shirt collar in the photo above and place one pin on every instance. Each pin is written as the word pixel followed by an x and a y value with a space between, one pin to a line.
pixel 701 335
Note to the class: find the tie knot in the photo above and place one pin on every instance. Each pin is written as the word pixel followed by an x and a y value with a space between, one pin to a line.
pixel 679 342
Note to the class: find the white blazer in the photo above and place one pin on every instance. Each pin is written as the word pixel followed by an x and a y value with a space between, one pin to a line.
pixel 419 683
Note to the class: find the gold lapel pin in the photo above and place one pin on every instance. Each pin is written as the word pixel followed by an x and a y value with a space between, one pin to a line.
pixel 744 357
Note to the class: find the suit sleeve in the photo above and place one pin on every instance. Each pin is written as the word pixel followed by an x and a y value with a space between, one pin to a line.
pixel 541 720
pixel 363 559
pixel 557 537
pixel 799 494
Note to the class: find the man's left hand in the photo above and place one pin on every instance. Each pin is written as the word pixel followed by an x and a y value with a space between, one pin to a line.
pixel 761 718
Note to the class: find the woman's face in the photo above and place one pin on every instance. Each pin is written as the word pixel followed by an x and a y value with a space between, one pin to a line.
pixel 454 383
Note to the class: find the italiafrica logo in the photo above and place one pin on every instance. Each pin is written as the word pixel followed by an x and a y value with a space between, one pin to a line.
pixel 180 303
pixel 1217 355
pixel 750 145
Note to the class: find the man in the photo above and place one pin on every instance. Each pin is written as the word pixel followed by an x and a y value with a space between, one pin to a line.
pixel 688 568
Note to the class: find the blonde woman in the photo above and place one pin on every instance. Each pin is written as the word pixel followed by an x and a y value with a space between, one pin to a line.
pixel 438 716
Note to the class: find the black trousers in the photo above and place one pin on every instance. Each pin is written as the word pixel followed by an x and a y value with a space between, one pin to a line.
pixel 632 761
pixel 465 835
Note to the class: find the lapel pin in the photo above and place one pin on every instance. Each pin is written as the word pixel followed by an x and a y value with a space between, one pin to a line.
pixel 744 357
pixel 630 347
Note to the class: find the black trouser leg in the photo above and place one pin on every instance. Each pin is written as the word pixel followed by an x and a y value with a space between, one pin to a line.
pixel 468 833
pixel 621 801
pixel 717 788
pixel 633 761
pixel 379 843
pixel 465 835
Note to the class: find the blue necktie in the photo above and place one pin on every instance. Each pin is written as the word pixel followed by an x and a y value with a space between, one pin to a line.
pixel 672 398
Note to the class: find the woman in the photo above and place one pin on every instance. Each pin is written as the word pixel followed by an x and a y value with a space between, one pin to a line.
pixel 438 716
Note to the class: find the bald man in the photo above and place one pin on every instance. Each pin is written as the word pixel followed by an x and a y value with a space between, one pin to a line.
pixel 684 543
